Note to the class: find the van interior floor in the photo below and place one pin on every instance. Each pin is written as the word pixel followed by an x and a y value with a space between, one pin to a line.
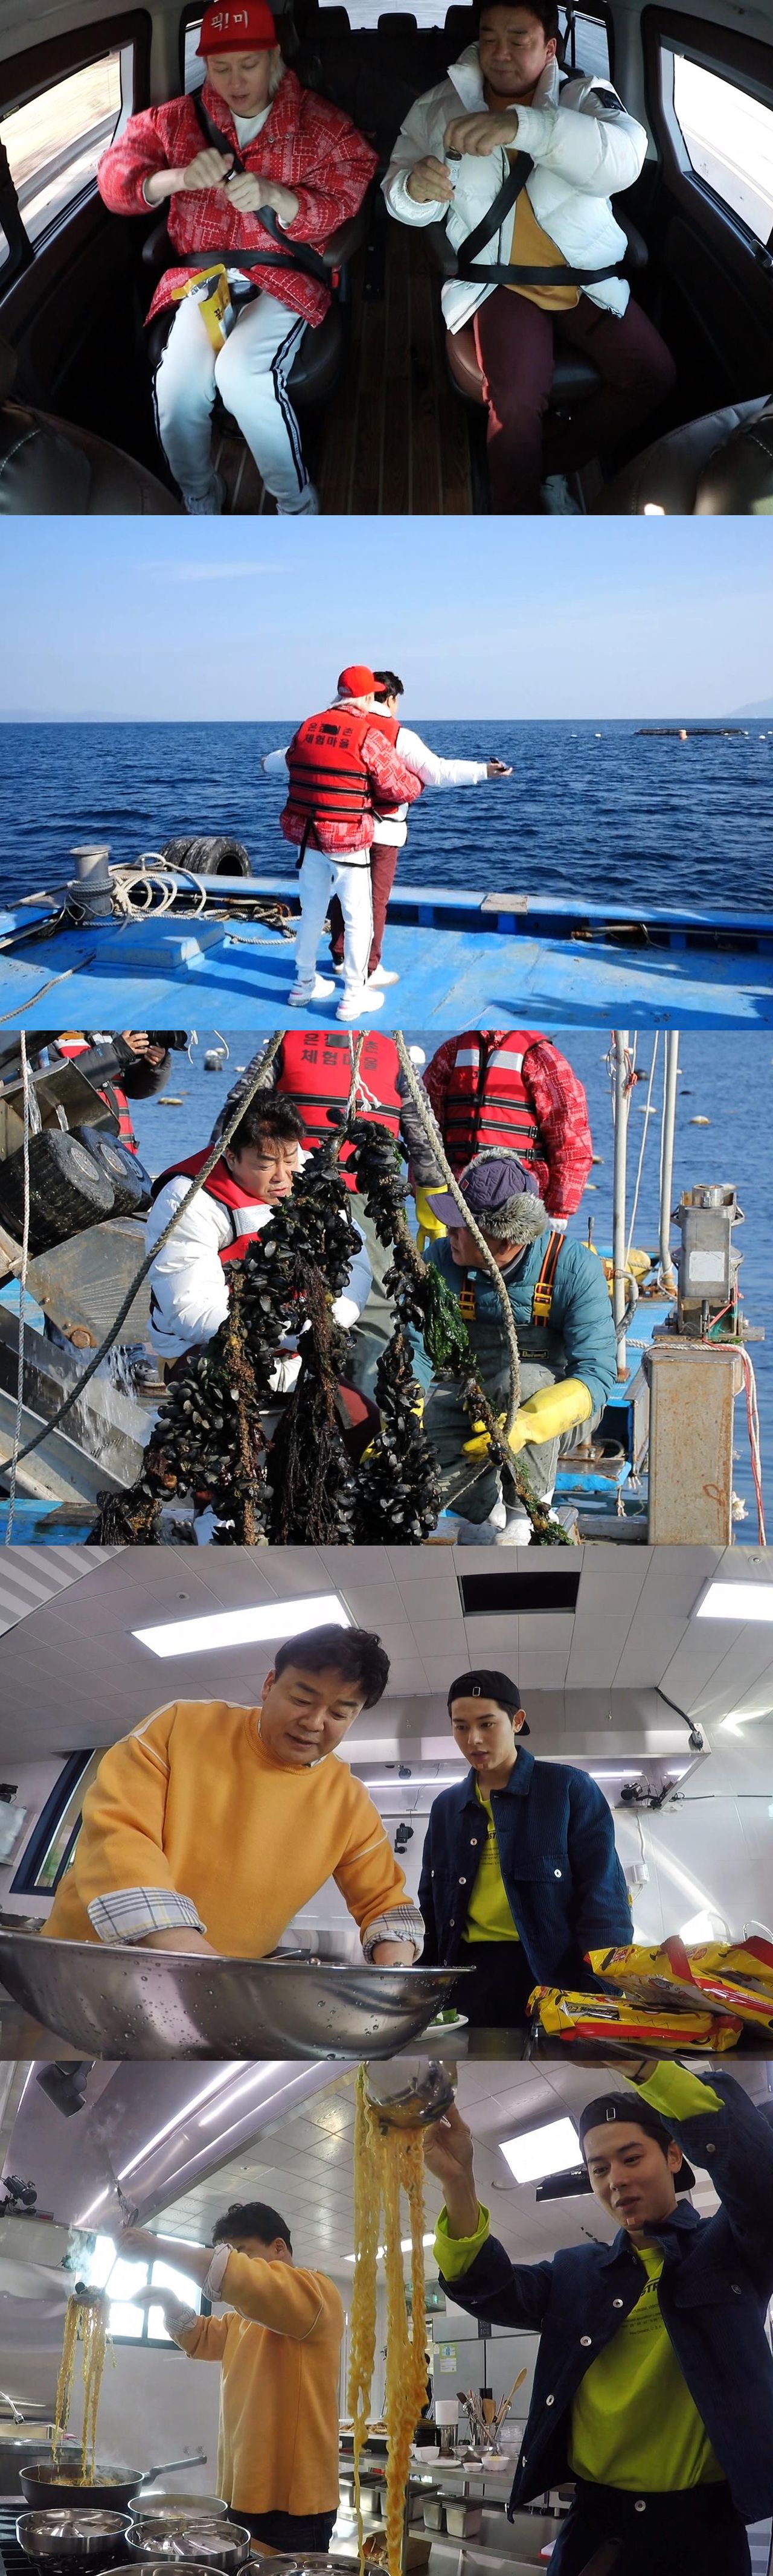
pixel 394 441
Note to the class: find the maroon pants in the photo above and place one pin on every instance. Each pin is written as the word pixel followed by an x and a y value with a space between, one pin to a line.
pixel 514 341
pixel 383 870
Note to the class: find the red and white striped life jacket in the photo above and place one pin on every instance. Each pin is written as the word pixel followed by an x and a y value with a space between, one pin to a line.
pixel 316 1072
pixel 487 1103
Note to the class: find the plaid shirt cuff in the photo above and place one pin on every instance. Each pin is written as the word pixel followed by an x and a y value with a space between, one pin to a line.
pixel 179 2321
pixel 216 2273
pixel 402 1923
pixel 130 1913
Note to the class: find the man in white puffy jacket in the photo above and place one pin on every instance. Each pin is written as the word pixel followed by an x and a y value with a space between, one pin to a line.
pixel 521 164
pixel 189 1281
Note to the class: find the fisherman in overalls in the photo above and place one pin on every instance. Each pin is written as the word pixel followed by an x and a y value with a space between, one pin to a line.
pixel 566 1340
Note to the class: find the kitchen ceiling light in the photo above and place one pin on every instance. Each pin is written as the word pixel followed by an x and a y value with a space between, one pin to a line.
pixel 549 2150
pixel 260 2075
pixel 737 1601
pixel 244 1627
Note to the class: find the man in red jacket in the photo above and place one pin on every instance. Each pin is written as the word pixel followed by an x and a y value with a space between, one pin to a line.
pixel 252 162
pixel 510 1088
pixel 341 769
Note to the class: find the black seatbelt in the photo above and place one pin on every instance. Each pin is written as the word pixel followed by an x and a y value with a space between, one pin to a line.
pixel 297 255
pixel 494 273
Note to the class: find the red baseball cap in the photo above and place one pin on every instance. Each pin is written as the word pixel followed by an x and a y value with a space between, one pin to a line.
pixel 356 681
pixel 246 29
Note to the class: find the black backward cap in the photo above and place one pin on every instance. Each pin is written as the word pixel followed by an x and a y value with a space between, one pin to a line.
pixel 488 1685
pixel 619 2106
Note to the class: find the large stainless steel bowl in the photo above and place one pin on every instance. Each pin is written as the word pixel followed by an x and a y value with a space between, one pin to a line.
pixel 211 2541
pixel 116 2002
pixel 70 2532
pixel 174 2501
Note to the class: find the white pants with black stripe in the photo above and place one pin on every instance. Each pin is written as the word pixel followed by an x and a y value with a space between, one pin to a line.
pixel 250 372
pixel 321 877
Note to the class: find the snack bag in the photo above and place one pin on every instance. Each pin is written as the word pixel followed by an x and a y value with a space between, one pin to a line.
pixel 647 1976
pixel 712 1970
pixel 618 2027
pixel 752 1961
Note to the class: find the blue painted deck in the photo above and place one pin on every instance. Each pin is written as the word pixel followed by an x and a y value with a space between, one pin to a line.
pixel 463 960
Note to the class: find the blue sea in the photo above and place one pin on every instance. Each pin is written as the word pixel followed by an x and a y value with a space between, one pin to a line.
pixel 725 1078
pixel 591 811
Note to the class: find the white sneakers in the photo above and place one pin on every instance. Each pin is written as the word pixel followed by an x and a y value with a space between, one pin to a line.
pixel 319 991
pixel 206 505
pixel 380 975
pixel 557 500
pixel 360 1004
pixel 506 1526
pixel 306 508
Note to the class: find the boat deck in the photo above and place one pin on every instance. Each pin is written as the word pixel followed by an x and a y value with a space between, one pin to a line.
pixel 463 960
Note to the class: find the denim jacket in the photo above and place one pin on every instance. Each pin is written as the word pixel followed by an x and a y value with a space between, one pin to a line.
pixel 564 1882
pixel 713 2293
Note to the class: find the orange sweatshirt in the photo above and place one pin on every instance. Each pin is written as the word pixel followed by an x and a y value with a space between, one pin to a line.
pixel 280 2353
pixel 191 1801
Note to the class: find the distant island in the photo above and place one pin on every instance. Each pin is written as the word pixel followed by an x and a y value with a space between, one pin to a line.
pixel 685 733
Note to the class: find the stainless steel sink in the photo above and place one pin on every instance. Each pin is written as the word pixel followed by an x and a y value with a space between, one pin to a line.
pixel 116 2002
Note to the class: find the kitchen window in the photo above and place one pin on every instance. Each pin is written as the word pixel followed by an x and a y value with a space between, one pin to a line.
pixel 127 2322
pixel 727 135
pixel 52 1842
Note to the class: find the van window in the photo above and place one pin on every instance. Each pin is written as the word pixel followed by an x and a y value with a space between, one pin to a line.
pixel 54 142
pixel 591 45
pixel 729 138
pixel 193 63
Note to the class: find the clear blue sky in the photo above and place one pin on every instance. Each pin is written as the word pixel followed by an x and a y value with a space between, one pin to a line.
pixel 481 617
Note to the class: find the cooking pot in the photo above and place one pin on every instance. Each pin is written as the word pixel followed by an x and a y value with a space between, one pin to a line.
pixel 19 2451
pixel 189 2535
pixel 176 2501
pixel 47 2487
pixel 70 2533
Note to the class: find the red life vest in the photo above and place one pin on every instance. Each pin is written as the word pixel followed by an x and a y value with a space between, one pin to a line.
pixel 116 1100
pixel 486 1102
pixel 223 1186
pixel 316 1072
pixel 328 776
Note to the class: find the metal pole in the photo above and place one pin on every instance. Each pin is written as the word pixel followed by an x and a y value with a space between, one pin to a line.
pixel 667 1160
pixel 619 1229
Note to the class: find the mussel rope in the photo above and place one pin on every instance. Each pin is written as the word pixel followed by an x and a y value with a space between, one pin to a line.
pixel 208 1166
pixel 432 1132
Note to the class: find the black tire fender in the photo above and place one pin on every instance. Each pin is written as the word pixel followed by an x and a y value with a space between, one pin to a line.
pixel 218 857
pixel 69 1190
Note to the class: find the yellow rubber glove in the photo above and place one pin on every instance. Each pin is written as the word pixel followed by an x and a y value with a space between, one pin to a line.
pixel 428 1223
pixel 543 1417
pixel 552 1410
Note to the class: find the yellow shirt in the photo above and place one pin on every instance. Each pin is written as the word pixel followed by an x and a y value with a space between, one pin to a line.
pixel 193 1802
pixel 279 2349
pixel 489 1917
pixel 532 248
pixel 633 2422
